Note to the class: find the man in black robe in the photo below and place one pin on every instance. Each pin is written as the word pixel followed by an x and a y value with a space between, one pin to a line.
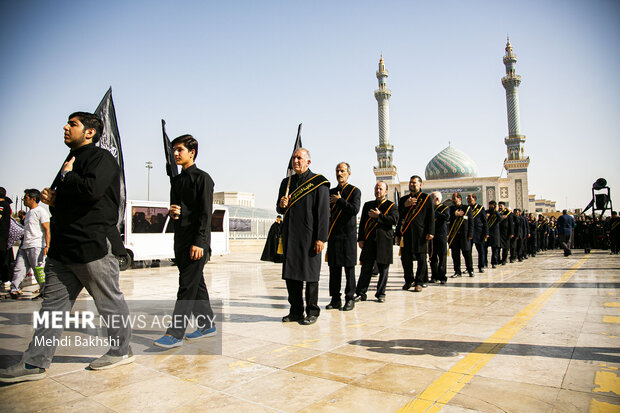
pixel 515 241
pixel 493 220
pixel 614 232
pixel 459 236
pixel 416 226
pixel 270 252
pixel 439 252
pixel 534 227
pixel 344 202
pixel 506 228
pixel 305 206
pixel 480 231
pixel 376 239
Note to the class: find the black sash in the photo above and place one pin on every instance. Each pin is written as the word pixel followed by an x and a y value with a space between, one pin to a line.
pixel 304 189
pixel 371 224
pixel 413 212
pixel 457 225
pixel 334 212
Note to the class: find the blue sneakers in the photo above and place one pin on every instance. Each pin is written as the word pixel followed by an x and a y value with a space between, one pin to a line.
pixel 168 341
pixel 198 334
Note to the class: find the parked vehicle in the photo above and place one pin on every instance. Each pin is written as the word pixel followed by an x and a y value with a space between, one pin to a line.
pixel 148 232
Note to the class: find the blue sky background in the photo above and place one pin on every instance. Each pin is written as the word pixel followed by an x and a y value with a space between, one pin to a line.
pixel 240 76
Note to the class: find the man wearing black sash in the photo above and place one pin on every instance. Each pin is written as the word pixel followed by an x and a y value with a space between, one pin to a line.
pixel 376 239
pixel 515 241
pixel 304 233
pixel 342 246
pixel 480 230
pixel 439 252
pixel 506 229
pixel 416 226
pixel 493 220
pixel 459 236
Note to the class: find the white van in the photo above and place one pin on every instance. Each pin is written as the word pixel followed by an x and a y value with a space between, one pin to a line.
pixel 148 232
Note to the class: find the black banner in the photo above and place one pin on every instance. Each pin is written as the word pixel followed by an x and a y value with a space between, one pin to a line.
pixel 111 140
pixel 171 166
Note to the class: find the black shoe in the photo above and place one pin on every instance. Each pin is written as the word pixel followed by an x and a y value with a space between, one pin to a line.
pixel 503 262
pixel 348 305
pixel 442 282
pixel 424 285
pixel 471 273
pixel 381 298
pixel 361 297
pixel 406 286
pixel 456 275
pixel 311 319
pixel 333 306
pixel 290 318
pixel 481 270
pixel 431 281
pixel 493 265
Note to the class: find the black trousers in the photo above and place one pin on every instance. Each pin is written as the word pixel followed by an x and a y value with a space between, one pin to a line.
pixel 482 254
pixel 495 256
pixel 513 249
pixel 456 259
pixel 364 281
pixel 505 255
pixel 421 274
pixel 335 283
pixel 295 297
pixel 439 259
pixel 192 296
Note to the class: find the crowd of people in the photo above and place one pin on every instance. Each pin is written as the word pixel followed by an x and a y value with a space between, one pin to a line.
pixel 425 229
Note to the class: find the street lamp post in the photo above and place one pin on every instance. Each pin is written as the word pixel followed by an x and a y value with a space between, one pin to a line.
pixel 149 166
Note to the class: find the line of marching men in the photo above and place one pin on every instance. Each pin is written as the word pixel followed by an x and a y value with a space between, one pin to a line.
pixel 419 223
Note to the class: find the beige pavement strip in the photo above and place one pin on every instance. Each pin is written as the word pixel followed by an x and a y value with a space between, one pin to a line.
pixel 442 390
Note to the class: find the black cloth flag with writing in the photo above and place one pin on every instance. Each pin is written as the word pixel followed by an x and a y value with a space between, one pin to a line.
pixel 289 167
pixel 171 166
pixel 111 140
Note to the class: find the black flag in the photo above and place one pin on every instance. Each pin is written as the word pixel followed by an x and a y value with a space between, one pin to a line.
pixel 111 140
pixel 171 166
pixel 289 168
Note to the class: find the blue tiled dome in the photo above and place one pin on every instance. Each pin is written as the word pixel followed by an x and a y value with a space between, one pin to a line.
pixel 451 163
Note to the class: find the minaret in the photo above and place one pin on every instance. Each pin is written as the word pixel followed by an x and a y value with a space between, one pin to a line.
pixel 385 170
pixel 516 163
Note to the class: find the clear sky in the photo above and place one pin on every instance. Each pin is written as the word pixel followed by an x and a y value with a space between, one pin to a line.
pixel 240 76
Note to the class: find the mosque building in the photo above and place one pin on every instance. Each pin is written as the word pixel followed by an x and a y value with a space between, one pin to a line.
pixel 452 170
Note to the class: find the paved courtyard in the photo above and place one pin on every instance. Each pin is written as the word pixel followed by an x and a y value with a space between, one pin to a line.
pixel 537 336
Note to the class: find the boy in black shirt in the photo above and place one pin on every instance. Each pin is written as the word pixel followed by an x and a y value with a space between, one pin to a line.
pixel 191 203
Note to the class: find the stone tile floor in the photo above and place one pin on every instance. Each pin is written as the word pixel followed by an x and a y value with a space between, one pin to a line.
pixel 537 336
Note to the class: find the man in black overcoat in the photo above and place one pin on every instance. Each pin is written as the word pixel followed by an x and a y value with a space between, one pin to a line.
pixel 344 202
pixel 416 226
pixel 439 253
pixel 515 241
pixel 460 234
pixel 305 206
pixel 480 229
pixel 376 239
pixel 506 228
pixel 493 221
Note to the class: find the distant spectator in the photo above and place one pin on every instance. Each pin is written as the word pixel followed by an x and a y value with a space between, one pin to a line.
pixel 21 216
pixel 36 240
